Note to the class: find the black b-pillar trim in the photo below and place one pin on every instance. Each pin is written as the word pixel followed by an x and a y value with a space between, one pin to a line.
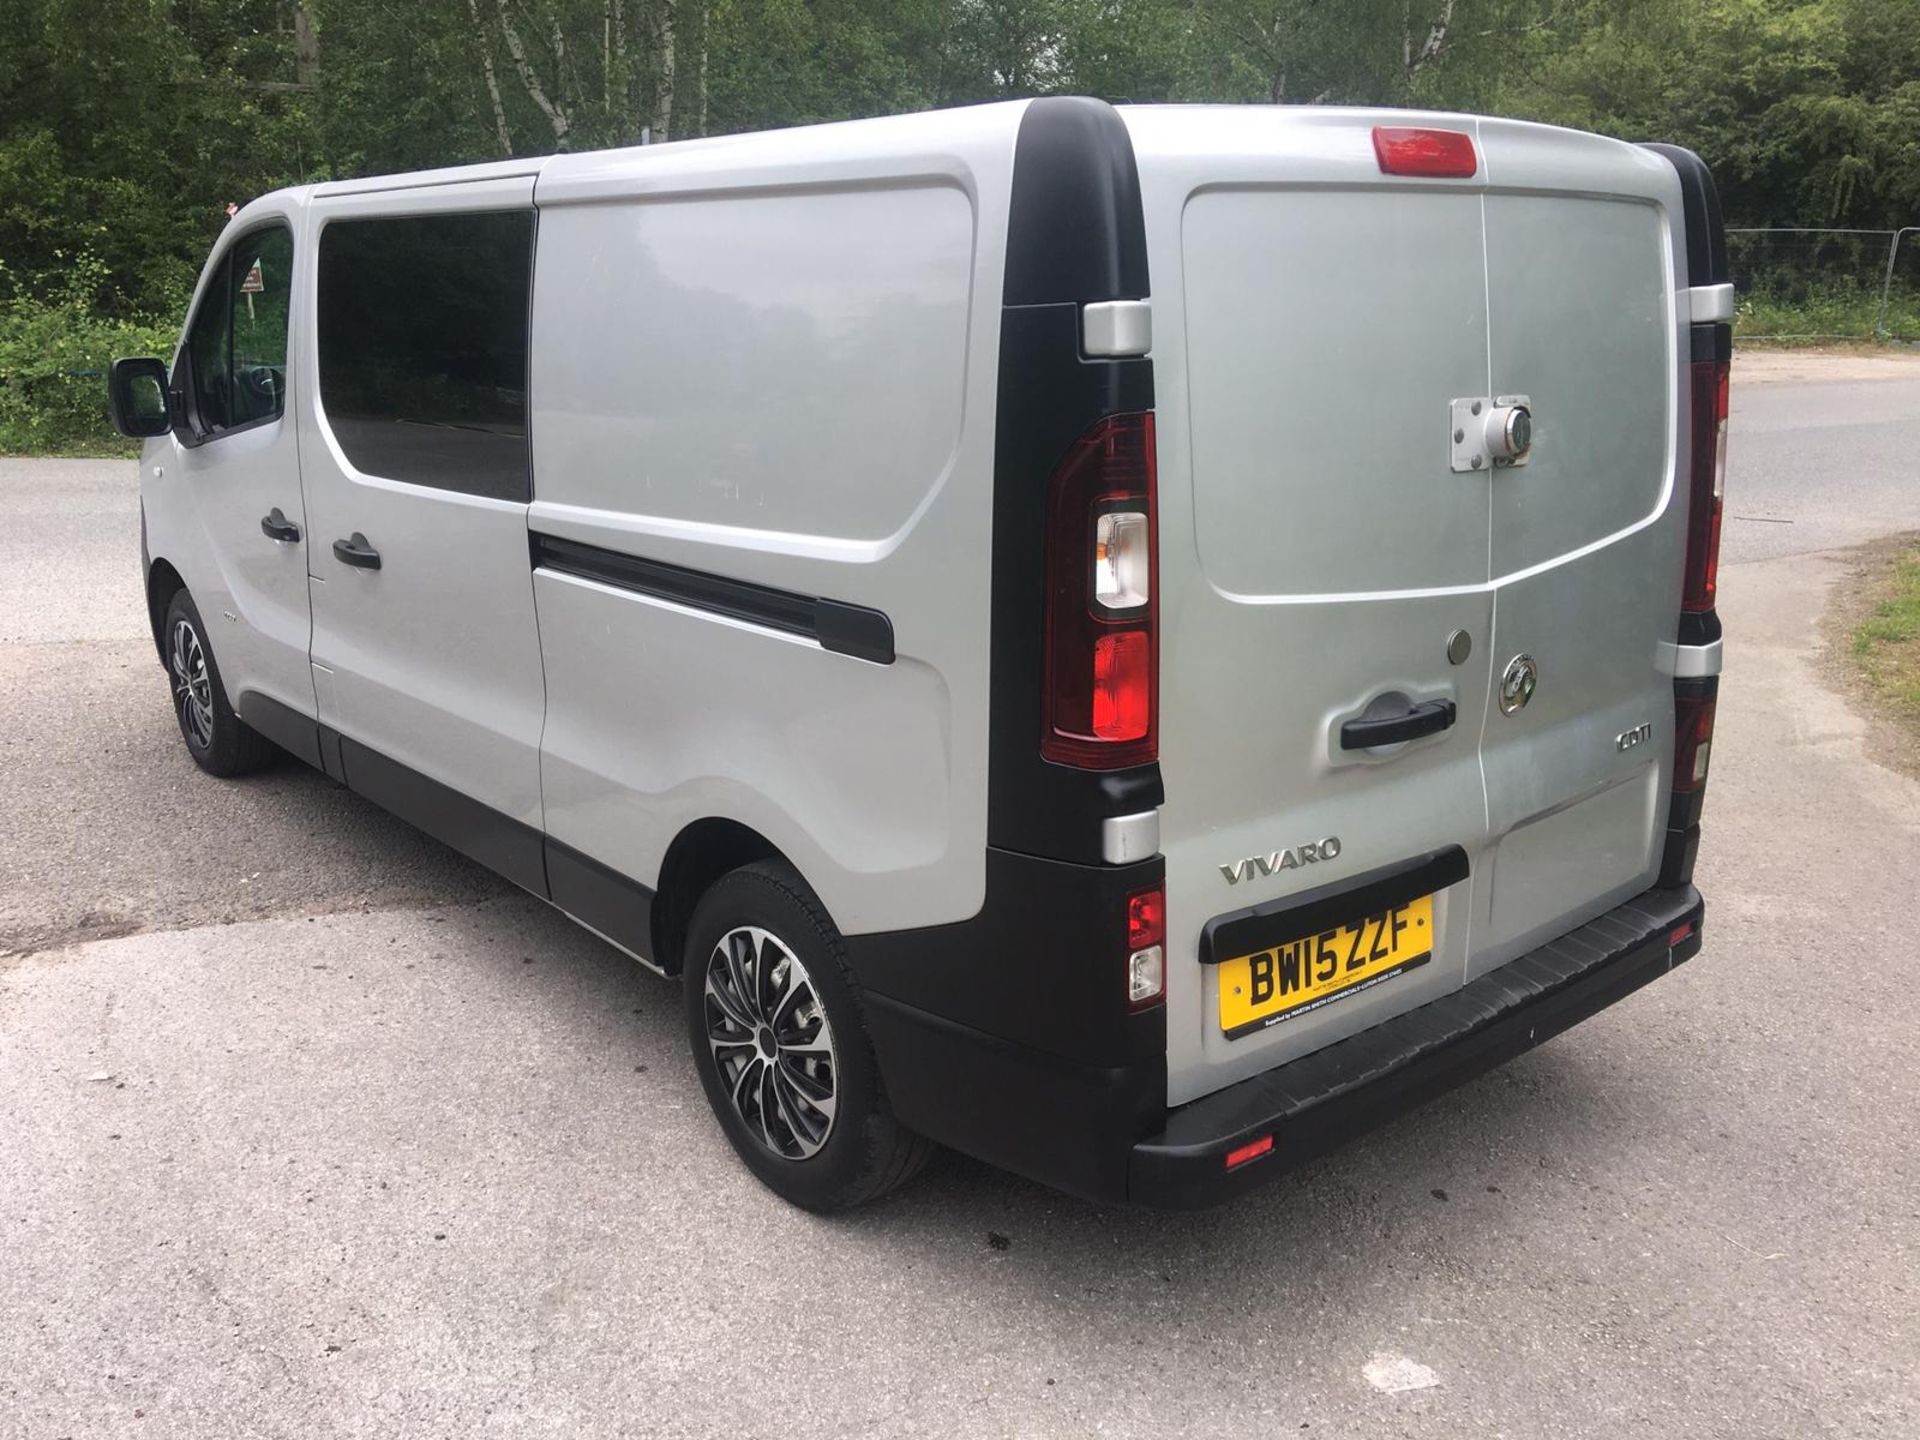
pixel 1076 233
pixel 1707 264
pixel 1075 227
pixel 1700 208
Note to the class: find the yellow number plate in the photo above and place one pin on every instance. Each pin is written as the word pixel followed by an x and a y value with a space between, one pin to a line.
pixel 1300 976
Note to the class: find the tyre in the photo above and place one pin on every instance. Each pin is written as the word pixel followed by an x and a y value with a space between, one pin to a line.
pixel 217 739
pixel 780 1041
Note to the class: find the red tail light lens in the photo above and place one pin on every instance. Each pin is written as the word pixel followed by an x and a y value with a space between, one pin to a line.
pixel 1708 482
pixel 1102 680
pixel 1435 154
pixel 1146 918
pixel 1146 948
pixel 1692 741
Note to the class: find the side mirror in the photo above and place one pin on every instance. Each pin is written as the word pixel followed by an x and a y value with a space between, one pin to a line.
pixel 137 398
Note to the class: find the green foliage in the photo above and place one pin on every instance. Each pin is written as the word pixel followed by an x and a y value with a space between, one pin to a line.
pixel 128 126
pixel 1825 312
pixel 54 354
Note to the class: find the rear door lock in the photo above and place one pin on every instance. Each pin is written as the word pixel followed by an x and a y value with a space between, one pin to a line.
pixel 1489 434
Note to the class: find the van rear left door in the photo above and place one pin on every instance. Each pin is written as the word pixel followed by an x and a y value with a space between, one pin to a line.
pixel 1313 318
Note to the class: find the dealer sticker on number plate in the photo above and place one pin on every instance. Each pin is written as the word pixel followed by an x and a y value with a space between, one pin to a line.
pixel 1299 976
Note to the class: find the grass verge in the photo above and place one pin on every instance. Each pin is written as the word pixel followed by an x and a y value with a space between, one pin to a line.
pixel 1886 640
pixel 1872 627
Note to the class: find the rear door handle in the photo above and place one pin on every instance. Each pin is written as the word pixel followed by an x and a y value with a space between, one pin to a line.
pixel 1429 718
pixel 276 526
pixel 355 550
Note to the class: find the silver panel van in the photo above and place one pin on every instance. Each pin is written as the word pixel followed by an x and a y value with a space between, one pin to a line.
pixel 1129 642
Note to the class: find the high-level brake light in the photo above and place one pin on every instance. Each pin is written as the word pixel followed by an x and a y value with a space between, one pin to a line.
pixel 1417 150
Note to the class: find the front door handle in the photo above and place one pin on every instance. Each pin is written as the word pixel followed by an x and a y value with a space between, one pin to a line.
pixel 355 550
pixel 1427 719
pixel 276 526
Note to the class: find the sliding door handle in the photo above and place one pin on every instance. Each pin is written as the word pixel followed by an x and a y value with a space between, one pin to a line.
pixel 1422 720
pixel 355 550
pixel 277 527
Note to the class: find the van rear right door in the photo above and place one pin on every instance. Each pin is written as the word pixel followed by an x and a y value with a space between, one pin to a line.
pixel 1582 320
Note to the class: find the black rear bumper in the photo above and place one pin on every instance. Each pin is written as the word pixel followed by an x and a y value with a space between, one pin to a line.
pixel 1095 1122
pixel 1320 1100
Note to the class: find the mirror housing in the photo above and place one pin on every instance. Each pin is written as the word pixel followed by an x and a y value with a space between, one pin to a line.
pixel 137 398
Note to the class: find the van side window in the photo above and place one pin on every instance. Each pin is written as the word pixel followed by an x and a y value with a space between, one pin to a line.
pixel 423 347
pixel 237 345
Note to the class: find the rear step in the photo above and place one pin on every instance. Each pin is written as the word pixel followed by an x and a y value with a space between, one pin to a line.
pixel 1267 1125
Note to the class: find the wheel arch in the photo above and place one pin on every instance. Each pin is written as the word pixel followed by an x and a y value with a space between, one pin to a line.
pixel 163 583
pixel 700 854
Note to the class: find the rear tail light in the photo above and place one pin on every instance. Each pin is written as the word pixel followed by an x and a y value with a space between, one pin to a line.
pixel 1708 481
pixel 1147 948
pixel 1102 676
pixel 1694 699
pixel 1435 154
pixel 1692 739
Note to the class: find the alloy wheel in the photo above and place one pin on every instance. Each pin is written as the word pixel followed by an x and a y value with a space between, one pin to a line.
pixel 771 1043
pixel 192 685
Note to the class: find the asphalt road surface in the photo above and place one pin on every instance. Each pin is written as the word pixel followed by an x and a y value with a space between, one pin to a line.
pixel 308 1127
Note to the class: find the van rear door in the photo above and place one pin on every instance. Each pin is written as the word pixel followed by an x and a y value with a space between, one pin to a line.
pixel 1325 562
pixel 1581 286
pixel 1312 320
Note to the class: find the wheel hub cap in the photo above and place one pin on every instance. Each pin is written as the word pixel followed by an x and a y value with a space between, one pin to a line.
pixel 771 1042
pixel 192 685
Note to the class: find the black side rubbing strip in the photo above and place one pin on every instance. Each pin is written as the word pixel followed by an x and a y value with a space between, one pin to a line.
pixel 1261 927
pixel 474 828
pixel 854 630
pixel 286 727
pixel 601 898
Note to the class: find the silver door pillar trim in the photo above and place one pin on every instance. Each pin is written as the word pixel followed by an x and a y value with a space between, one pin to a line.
pixel 1116 327
pixel 1691 662
pixel 1126 838
pixel 1710 302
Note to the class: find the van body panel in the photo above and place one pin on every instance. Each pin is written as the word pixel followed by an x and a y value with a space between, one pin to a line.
pixel 630 761
pixel 432 660
pixel 751 429
pixel 830 435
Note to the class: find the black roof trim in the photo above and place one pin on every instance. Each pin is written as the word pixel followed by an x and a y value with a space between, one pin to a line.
pixel 1075 231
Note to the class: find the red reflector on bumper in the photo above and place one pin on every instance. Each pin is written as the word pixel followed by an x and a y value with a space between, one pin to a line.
pixel 1251 1151
pixel 1684 932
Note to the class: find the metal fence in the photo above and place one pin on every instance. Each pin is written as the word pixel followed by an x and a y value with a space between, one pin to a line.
pixel 1801 283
